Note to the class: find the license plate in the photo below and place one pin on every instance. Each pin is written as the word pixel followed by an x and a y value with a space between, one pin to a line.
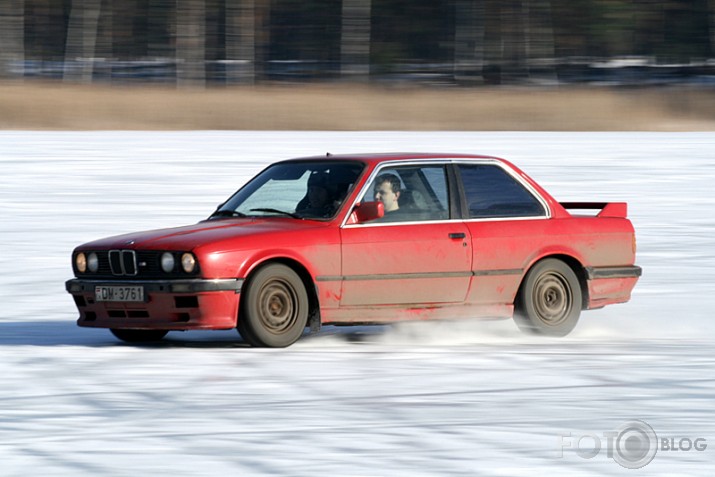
pixel 119 293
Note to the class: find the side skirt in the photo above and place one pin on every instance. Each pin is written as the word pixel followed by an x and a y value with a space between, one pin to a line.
pixel 417 312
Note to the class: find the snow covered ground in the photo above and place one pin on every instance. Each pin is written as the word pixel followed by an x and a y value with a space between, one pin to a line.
pixel 464 398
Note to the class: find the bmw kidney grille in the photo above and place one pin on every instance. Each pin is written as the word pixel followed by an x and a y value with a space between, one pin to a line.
pixel 123 262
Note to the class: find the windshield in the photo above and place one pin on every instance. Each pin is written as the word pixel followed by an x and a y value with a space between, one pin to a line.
pixel 299 189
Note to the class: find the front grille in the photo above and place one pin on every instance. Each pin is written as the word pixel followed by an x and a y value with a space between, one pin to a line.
pixel 104 267
pixel 137 264
pixel 149 262
pixel 123 262
pixel 115 262
pixel 129 262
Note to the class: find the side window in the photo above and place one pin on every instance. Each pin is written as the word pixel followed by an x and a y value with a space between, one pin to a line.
pixel 436 179
pixel 492 192
pixel 411 193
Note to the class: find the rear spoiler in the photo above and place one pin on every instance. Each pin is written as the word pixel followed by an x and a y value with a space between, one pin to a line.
pixel 607 209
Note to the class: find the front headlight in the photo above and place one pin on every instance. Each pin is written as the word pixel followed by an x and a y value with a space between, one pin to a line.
pixel 167 262
pixel 188 262
pixel 93 262
pixel 80 262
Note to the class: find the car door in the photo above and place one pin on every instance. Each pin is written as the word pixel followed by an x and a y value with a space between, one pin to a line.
pixel 419 256
pixel 506 222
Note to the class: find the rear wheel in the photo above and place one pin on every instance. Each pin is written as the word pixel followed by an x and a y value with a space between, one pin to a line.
pixel 139 336
pixel 275 307
pixel 549 301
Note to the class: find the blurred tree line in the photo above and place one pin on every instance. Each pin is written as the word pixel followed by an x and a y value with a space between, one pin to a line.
pixel 244 41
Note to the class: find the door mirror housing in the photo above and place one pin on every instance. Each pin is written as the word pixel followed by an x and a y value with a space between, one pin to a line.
pixel 367 211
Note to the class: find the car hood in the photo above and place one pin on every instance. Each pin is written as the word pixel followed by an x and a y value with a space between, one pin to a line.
pixel 217 232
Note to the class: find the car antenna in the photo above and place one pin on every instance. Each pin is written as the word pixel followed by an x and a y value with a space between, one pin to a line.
pixel 327 154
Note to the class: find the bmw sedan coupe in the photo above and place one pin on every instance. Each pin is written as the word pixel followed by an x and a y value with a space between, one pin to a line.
pixel 359 239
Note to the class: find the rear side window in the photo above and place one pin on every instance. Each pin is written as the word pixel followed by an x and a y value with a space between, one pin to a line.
pixel 491 192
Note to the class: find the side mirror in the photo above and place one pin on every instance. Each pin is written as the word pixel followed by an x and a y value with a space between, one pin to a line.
pixel 367 211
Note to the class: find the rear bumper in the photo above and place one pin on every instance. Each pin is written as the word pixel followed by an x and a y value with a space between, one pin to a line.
pixel 168 304
pixel 610 285
pixel 631 271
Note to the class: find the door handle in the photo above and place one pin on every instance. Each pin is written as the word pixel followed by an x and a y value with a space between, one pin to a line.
pixel 457 235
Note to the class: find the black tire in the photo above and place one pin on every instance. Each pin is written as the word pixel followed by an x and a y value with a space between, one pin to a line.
pixel 246 333
pixel 139 336
pixel 274 307
pixel 549 300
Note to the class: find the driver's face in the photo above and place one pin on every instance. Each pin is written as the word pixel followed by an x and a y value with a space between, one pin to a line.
pixel 384 194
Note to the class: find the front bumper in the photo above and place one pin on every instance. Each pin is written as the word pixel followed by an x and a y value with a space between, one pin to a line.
pixel 168 304
pixel 79 285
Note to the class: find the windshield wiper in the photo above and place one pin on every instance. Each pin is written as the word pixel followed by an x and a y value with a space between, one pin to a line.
pixel 228 213
pixel 276 211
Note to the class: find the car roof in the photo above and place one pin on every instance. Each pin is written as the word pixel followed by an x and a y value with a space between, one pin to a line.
pixel 394 156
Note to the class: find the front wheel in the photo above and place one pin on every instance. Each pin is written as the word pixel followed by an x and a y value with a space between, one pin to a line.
pixel 139 336
pixel 549 301
pixel 275 307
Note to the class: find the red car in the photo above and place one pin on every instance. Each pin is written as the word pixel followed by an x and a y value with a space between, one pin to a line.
pixel 361 239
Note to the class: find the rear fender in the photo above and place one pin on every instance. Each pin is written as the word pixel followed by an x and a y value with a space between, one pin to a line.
pixel 573 263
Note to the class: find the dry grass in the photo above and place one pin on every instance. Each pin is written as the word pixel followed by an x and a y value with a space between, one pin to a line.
pixel 344 107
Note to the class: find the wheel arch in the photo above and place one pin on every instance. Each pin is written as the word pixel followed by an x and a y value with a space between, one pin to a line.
pixel 573 263
pixel 303 274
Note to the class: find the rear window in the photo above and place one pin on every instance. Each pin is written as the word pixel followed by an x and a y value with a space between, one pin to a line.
pixel 491 192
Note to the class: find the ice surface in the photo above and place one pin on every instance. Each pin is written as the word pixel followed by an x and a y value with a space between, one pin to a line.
pixel 451 398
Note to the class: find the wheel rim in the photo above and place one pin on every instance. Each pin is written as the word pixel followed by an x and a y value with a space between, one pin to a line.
pixel 278 306
pixel 552 299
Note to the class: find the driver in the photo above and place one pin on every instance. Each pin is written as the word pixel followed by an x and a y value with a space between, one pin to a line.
pixel 318 200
